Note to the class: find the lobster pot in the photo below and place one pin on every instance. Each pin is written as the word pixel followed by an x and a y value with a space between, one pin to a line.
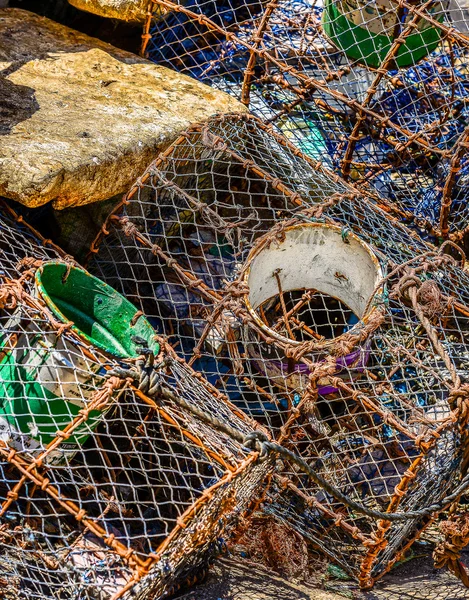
pixel 147 496
pixel 167 503
pixel 48 377
pixel 375 91
pixel 210 245
pixel 290 291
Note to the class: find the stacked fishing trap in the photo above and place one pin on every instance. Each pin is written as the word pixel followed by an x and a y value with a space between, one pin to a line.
pixel 314 312
pixel 110 484
pixel 376 91
pixel 274 318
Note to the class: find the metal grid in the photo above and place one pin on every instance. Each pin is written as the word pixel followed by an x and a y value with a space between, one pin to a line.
pixel 376 91
pixel 314 312
pixel 108 489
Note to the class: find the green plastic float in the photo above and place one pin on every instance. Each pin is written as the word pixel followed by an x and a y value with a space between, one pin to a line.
pixel 365 30
pixel 45 379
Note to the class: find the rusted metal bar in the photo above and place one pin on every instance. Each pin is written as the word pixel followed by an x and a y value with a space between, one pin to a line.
pixel 382 71
pixel 258 36
pixel 460 149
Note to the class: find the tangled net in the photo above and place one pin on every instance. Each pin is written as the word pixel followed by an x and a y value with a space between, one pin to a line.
pixel 376 91
pixel 318 315
pixel 109 486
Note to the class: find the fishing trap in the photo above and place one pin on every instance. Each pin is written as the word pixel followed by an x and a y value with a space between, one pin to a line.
pixel 111 486
pixel 315 313
pixel 376 91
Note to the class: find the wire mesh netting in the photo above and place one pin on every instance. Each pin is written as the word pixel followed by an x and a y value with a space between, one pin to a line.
pixel 314 312
pixel 107 486
pixel 376 91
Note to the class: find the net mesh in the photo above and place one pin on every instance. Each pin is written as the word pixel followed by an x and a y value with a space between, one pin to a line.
pixel 316 314
pixel 376 91
pixel 103 490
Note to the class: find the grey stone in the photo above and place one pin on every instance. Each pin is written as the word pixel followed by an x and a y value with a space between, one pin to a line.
pixel 80 119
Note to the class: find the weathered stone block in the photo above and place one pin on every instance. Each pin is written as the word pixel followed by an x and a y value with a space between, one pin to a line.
pixel 80 119
pixel 126 10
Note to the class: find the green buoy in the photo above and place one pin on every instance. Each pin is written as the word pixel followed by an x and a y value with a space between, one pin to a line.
pixel 44 378
pixel 365 30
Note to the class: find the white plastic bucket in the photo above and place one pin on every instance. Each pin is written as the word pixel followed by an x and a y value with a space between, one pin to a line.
pixel 312 256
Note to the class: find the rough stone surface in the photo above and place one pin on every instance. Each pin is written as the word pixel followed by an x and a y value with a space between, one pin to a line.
pixel 80 119
pixel 126 10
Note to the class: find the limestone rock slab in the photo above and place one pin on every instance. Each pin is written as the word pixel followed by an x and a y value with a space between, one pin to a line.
pixel 125 10
pixel 80 119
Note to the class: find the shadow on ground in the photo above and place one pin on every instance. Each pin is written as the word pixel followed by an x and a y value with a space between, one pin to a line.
pixel 234 579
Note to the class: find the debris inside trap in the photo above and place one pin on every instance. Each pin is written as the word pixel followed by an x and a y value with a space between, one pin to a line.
pixel 277 546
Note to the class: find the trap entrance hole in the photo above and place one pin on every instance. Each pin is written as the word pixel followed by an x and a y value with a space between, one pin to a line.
pixel 310 315
pixel 313 276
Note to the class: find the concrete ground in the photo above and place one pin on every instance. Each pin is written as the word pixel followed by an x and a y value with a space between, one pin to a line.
pixel 235 579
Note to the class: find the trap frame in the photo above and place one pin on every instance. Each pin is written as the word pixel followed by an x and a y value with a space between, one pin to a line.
pixel 371 394
pixel 377 93
pixel 106 492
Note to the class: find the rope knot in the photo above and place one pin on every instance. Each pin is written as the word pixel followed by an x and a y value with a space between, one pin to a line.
pixel 236 289
pixel 431 299
pixel 448 552
pixel 129 229
pixel 257 441
pixel 458 399
pixel 405 283
pixel 29 262
pixel 214 142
